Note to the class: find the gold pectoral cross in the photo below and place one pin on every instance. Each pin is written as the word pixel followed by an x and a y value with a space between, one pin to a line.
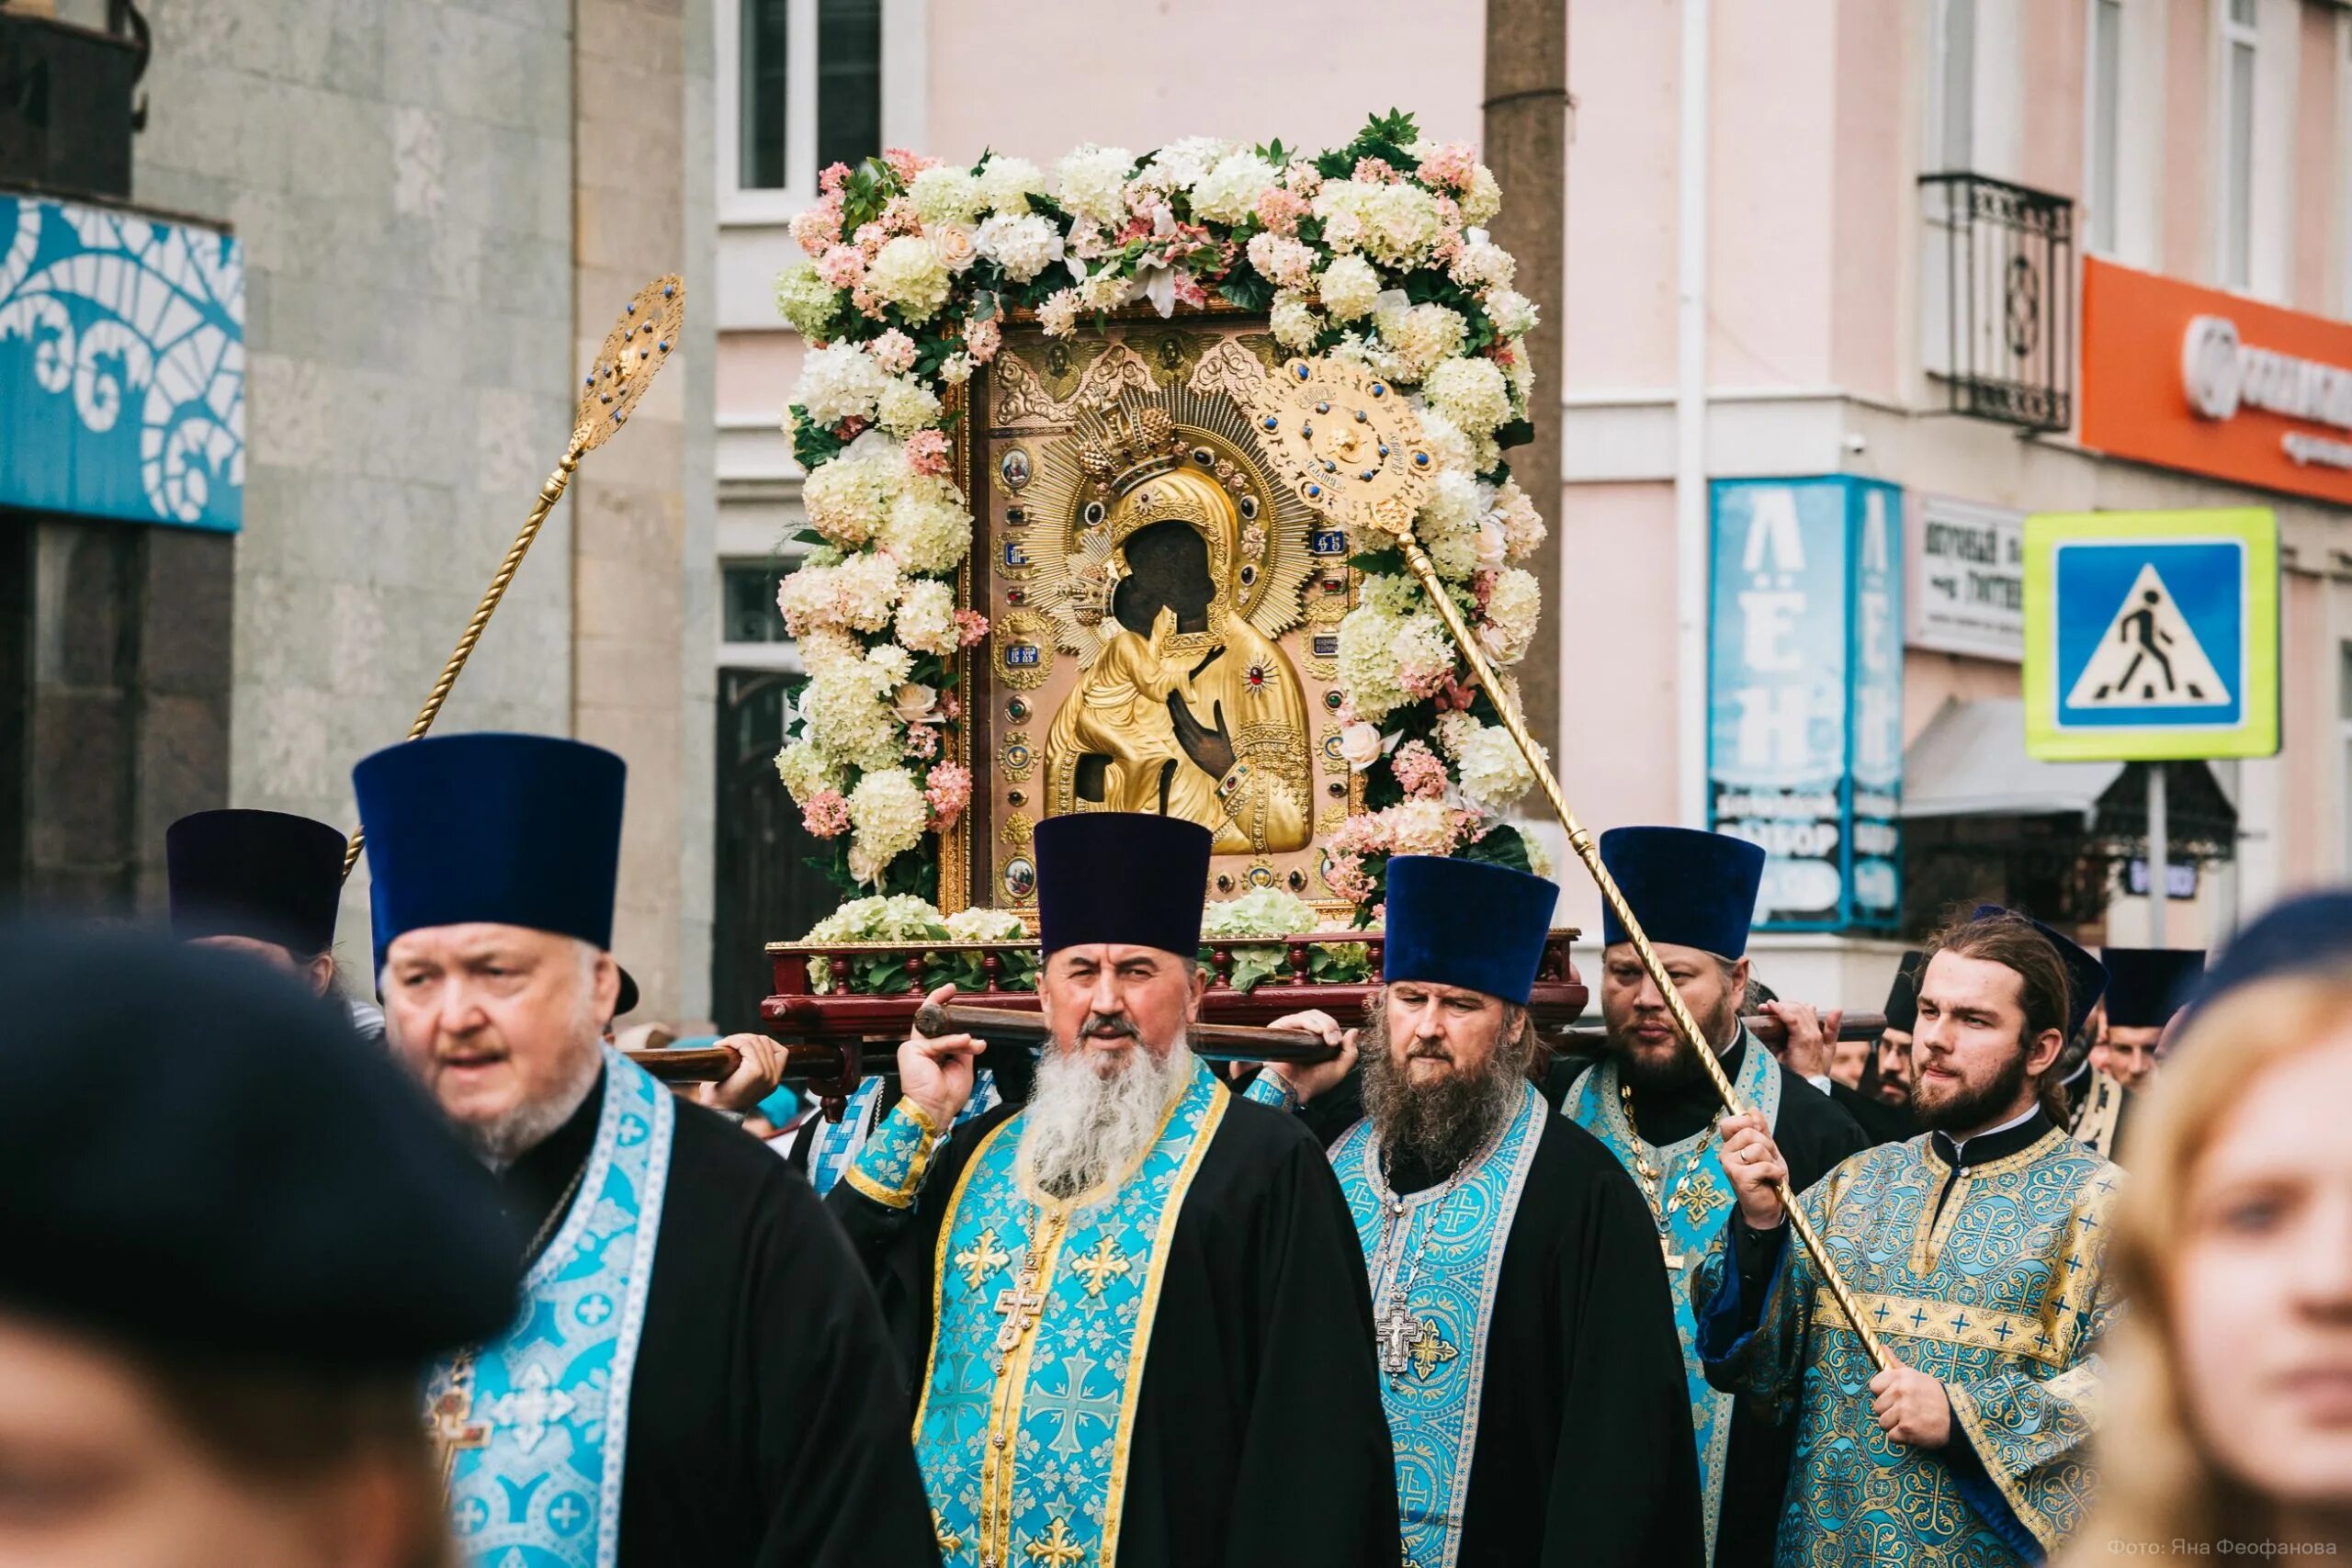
pixel 1666 1245
pixel 1020 1305
pixel 449 1424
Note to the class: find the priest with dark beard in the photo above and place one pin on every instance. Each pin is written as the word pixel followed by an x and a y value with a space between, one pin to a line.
pixel 1534 1386
pixel 1649 1100
pixel 1134 1306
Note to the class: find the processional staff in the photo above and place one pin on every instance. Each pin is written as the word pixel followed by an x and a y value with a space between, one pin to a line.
pixel 632 354
pixel 1351 446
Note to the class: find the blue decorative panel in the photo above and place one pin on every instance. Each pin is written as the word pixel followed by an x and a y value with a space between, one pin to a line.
pixel 122 365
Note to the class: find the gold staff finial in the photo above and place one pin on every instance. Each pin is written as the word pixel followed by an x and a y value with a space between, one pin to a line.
pixel 640 343
pixel 1352 446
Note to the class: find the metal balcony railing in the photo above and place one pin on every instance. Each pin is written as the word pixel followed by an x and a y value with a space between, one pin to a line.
pixel 1999 263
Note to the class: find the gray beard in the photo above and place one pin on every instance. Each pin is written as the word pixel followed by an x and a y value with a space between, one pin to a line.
pixel 1082 1131
pixel 500 1143
pixel 1439 1126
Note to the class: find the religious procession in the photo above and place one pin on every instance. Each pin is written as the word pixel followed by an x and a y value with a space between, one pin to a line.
pixel 840 783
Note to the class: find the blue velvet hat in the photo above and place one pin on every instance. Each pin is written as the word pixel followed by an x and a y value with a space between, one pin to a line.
pixel 2146 985
pixel 1121 876
pixel 2311 930
pixel 262 874
pixel 1467 923
pixel 512 829
pixel 2086 976
pixel 1688 889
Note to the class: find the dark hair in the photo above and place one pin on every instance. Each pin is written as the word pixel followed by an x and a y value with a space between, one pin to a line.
pixel 2011 941
pixel 286 1429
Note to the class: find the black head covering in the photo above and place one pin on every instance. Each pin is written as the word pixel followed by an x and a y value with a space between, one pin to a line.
pixel 2146 985
pixel 2086 976
pixel 201 1158
pixel 626 1003
pixel 1903 996
pixel 1121 876
pixel 2311 930
pixel 262 874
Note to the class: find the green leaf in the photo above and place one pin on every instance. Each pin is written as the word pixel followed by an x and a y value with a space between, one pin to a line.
pixel 813 444
pixel 809 537
pixel 1272 152
pixel 1334 165
pixel 1243 288
pixel 1389 562
pixel 1517 432
pixel 1499 845
pixel 1252 964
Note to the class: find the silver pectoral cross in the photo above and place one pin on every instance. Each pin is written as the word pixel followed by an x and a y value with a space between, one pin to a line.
pixel 1397 1330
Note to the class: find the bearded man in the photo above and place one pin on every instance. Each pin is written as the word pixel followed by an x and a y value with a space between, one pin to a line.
pixel 1135 1303
pixel 1529 1366
pixel 1649 1100
pixel 697 1374
pixel 1975 1254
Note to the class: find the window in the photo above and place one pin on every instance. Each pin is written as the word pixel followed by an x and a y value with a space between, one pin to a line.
pixel 1953 90
pixel 747 603
pixel 808 93
pixel 2234 260
pixel 2105 93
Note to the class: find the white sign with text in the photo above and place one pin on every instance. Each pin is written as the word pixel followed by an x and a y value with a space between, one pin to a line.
pixel 1967 570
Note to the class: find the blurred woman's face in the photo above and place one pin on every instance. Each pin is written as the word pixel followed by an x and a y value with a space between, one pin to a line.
pixel 2263 1284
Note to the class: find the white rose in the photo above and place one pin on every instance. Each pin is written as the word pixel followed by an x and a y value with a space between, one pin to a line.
pixel 1360 745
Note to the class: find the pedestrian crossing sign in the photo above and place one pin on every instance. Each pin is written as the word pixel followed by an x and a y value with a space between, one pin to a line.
pixel 2151 635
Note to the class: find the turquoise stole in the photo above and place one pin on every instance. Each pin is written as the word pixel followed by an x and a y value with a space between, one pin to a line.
pixel 1457 1234
pixel 1043 1314
pixel 1690 1228
pixel 538 1419
pixel 833 1144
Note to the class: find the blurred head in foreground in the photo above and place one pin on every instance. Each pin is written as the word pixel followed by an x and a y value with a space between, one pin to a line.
pixel 2231 1376
pixel 234 1235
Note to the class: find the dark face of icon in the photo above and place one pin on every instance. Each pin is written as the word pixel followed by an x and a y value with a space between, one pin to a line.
pixel 1168 563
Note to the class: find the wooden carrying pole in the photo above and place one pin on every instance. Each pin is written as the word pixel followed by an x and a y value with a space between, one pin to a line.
pixel 632 354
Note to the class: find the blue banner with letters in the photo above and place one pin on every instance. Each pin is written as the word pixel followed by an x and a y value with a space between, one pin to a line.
pixel 1804 690
pixel 122 365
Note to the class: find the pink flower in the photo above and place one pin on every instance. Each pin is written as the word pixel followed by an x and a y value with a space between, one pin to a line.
pixel 1450 167
pixel 948 792
pixel 1377 171
pixel 982 338
pixel 1346 877
pixel 971 627
pixel 923 741
pixel 1453 696
pixel 826 814
pixel 1379 916
pixel 815 228
pixel 1190 293
pixel 869 237
pixel 894 351
pixel 906 164
pixel 843 267
pixel 831 178
pixel 848 429
pixel 950 709
pixel 1419 771
pixel 899 217
pixel 1364 834
pixel 927 452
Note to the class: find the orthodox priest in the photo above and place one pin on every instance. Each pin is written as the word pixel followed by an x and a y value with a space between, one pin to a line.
pixel 1649 1101
pixel 1135 1303
pixel 1529 1365
pixel 697 1374
pixel 1977 1255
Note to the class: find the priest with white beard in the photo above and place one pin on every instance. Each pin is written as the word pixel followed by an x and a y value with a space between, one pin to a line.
pixel 1529 1369
pixel 1134 1306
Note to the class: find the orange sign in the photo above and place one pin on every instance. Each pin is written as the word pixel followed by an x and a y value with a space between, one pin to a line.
pixel 2194 378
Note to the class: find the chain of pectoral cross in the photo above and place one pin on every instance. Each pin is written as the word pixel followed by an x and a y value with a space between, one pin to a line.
pixel 1397 1325
pixel 1022 1305
pixel 1651 1179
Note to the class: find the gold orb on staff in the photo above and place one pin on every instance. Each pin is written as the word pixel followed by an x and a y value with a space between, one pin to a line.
pixel 640 343
pixel 1352 445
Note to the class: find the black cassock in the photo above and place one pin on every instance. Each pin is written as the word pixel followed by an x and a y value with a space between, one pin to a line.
pixel 1259 1437
pixel 1882 1123
pixel 765 1423
pixel 1584 1452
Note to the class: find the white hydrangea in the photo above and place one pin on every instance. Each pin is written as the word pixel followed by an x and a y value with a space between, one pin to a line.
pixel 1058 317
pixel 866 587
pixel 1539 858
pixel 945 194
pixel 1492 771
pixel 1392 593
pixel 1181 164
pixel 1453 732
pixel 1228 193
pixel 1481 264
pixel 1415 339
pixel 1514 604
pixel 1106 290
pixel 1007 184
pixel 1513 313
pixel 838 383
pixel 927 529
pixel 850 717
pixel 1093 182
pixel 1520 376
pixel 1400 223
pixel 1283 262
pixel 1293 325
pixel 847 498
pixel 1448 523
pixel 1423 650
pixel 906 406
pixel 1421 828
pixel 1522 526
pixel 1349 287
pixel 909 272
pixel 829 648
pixel 1470 392
pixel 806 770
pixel 1341 205
pixel 885 814
pixel 1024 246
pixel 891 663
pixel 926 620
pixel 1367 668
pixel 805 300
pixel 1264 911
pixel 902 917
pixel 1483 198
pixel 1447 447
pixel 977 924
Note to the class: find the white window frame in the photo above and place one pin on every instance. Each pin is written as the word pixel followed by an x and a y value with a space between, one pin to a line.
pixel 2108 192
pixel 905 87
pixel 2229 35
pixel 1942 158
